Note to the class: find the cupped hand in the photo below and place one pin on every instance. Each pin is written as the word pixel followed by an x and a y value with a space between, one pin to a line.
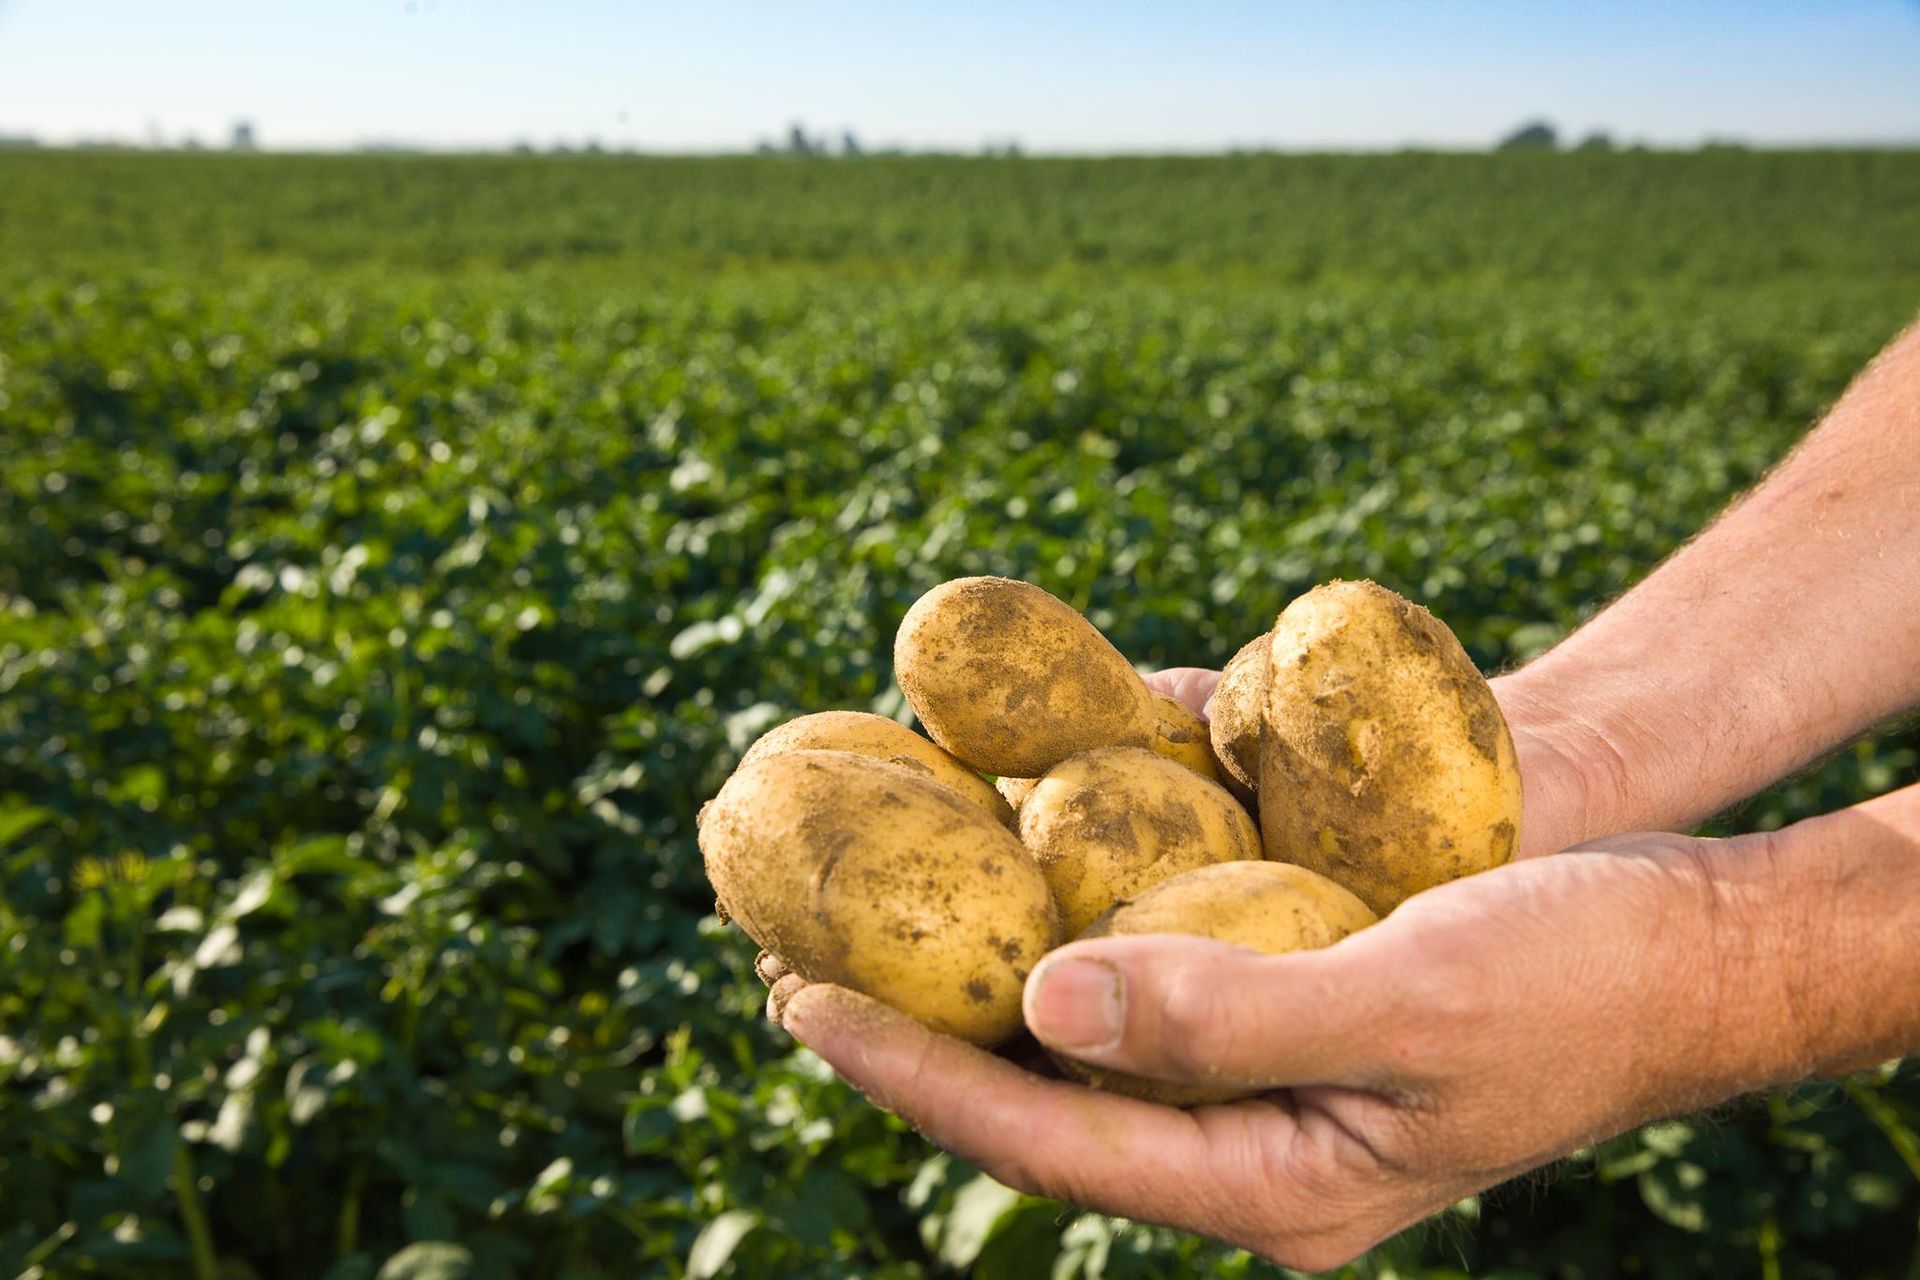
pixel 1485 1027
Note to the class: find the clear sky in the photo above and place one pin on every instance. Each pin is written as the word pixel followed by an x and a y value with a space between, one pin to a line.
pixel 1124 75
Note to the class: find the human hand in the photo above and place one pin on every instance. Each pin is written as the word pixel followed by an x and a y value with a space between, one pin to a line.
pixel 1485 1027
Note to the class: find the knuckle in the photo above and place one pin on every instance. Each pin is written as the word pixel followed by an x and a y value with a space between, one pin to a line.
pixel 1190 1032
pixel 1020 1173
pixel 907 1093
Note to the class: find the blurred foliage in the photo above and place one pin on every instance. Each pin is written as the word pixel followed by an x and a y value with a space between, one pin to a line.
pixel 1722 215
pixel 370 631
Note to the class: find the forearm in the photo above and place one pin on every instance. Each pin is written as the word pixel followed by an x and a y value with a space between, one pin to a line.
pixel 1790 625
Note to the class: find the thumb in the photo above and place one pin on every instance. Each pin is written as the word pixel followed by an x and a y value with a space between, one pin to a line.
pixel 1193 1010
pixel 1191 686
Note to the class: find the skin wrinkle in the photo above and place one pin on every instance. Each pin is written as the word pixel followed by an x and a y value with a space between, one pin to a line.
pixel 1797 938
pixel 1355 1114
pixel 1316 1147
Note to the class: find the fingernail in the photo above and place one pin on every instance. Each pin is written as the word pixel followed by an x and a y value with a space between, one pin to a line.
pixel 1078 1004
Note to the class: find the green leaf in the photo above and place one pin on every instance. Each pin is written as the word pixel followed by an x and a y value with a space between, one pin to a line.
pixel 17 822
pixel 827 1202
pixel 717 1241
pixel 649 1126
pixel 550 1188
pixel 425 1216
pixel 977 1207
pixel 1674 1192
pixel 82 927
pixel 322 855
pixel 428 1260
pixel 1875 1191
pixel 146 1161
pixel 1023 1245
pixel 233 1122
pixel 143 786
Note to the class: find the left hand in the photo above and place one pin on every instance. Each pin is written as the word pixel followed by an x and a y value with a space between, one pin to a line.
pixel 1485 1027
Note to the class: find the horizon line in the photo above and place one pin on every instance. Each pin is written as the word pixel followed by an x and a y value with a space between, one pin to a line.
pixel 1001 149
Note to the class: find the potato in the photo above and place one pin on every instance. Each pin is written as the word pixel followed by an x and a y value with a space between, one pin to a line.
pixel 1181 736
pixel 861 872
pixel 1386 764
pixel 1015 792
pixel 884 739
pixel 1266 906
pixel 1013 681
pixel 1234 717
pixel 1107 824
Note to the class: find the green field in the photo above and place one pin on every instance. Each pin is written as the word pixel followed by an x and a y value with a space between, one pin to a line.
pixel 395 551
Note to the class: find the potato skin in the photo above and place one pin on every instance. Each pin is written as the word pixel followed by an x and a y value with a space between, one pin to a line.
pixel 1181 736
pixel 883 739
pixel 862 873
pixel 1013 681
pixel 1015 792
pixel 1386 763
pixel 1271 907
pixel 1235 715
pixel 1106 825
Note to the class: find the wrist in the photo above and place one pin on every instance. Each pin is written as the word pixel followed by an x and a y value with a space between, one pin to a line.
pixel 1575 777
pixel 1831 907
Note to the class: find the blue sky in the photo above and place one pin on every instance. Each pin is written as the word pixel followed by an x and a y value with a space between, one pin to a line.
pixel 1126 75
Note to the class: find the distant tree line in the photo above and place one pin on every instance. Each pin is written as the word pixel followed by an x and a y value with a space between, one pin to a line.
pixel 1542 135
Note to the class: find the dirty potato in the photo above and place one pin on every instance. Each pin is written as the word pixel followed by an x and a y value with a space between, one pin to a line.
pixel 1234 717
pixel 1107 824
pixel 860 872
pixel 1181 736
pixel 1015 792
pixel 884 739
pixel 1013 681
pixel 1385 764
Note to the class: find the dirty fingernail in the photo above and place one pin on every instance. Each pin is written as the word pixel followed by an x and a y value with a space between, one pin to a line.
pixel 778 995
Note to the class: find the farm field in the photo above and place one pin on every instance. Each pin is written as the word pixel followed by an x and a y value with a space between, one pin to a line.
pixel 395 551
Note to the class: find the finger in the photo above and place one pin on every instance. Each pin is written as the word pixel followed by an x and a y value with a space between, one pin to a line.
pixel 781 992
pixel 1198 1011
pixel 769 967
pixel 1046 1137
pixel 1192 686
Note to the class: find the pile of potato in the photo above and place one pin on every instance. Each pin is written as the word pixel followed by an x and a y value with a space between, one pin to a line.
pixel 1354 757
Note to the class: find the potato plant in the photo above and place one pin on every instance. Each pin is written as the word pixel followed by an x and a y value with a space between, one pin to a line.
pixel 394 551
